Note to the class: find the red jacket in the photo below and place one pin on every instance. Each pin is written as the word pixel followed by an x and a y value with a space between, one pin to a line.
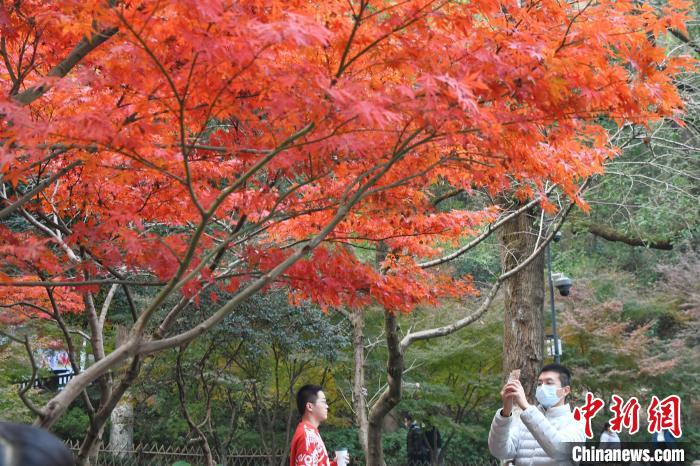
pixel 308 448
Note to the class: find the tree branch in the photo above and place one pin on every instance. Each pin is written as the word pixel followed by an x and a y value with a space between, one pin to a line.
pixel 610 234
pixel 686 40
pixel 83 47
pixel 23 391
pixel 53 284
pixel 26 197
pixel 341 213
pixel 448 195
pixel 491 227
pixel 483 307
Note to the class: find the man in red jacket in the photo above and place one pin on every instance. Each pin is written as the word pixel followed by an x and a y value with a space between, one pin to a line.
pixel 307 446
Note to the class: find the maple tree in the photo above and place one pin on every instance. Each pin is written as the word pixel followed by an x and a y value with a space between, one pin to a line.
pixel 183 146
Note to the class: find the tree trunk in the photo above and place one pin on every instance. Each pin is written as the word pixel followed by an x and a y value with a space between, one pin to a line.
pixel 390 398
pixel 359 392
pixel 93 439
pixel 523 332
pixel 90 449
pixel 121 434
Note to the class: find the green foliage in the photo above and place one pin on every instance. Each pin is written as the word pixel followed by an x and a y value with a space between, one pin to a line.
pixel 11 407
pixel 468 444
pixel 642 312
pixel 247 370
pixel 342 438
pixel 71 426
pixel 165 426
pixel 394 445
pixel 15 367
pixel 604 289
pixel 481 264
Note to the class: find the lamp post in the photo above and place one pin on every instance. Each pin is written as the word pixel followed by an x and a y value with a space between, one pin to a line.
pixel 563 284
pixel 551 301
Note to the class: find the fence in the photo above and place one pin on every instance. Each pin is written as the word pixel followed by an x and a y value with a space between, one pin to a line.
pixel 161 455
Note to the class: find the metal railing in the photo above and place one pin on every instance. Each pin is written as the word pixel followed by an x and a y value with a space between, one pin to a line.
pixel 54 383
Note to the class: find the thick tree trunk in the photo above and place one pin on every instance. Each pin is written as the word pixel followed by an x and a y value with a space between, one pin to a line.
pixel 121 434
pixel 359 392
pixel 390 398
pixel 93 438
pixel 523 332
pixel 90 449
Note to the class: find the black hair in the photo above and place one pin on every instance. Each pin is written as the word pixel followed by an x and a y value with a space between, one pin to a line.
pixel 307 394
pixel 24 445
pixel 606 426
pixel 407 417
pixel 564 373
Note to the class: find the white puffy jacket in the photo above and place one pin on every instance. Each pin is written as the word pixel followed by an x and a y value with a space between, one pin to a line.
pixel 536 437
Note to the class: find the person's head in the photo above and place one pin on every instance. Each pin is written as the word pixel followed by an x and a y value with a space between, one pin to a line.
pixel 407 419
pixel 312 405
pixel 23 445
pixel 553 385
pixel 606 427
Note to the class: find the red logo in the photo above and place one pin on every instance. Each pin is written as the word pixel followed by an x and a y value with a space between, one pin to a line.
pixel 661 414
pixel 588 412
pixel 665 414
pixel 626 415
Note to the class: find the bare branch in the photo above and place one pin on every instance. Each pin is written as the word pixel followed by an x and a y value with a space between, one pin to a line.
pixel 686 40
pixel 486 302
pixel 491 227
pixel 105 306
pixel 23 391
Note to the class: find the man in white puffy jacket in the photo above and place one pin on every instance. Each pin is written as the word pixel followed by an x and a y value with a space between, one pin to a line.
pixel 537 436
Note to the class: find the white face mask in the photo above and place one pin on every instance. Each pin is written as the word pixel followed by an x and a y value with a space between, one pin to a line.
pixel 547 395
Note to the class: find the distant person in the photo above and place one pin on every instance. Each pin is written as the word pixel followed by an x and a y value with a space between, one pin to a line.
pixel 24 445
pixel 608 438
pixel 417 449
pixel 662 436
pixel 663 440
pixel 539 434
pixel 307 448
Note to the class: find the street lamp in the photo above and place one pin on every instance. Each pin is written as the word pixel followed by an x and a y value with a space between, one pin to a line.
pixel 563 284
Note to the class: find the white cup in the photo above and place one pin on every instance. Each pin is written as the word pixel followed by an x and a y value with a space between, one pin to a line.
pixel 342 456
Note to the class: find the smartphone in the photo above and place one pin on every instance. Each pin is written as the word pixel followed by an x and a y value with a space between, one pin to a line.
pixel 514 375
